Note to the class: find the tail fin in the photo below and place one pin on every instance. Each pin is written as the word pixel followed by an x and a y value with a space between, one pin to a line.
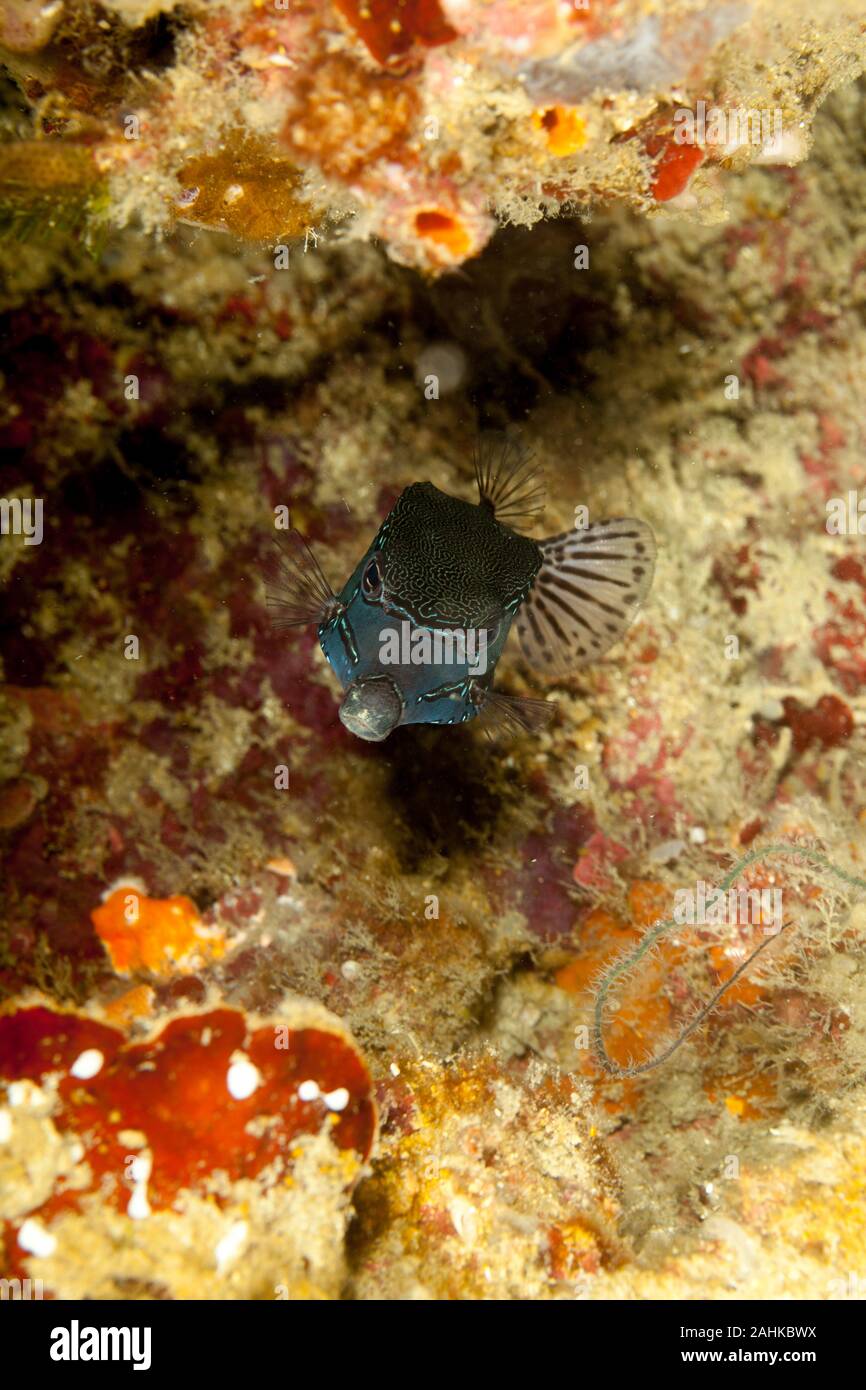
pixel 508 482
pixel 591 583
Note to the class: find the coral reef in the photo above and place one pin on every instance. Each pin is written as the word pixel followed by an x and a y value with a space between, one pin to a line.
pixel 214 1159
pixel 420 122
pixel 283 1015
pixel 489 1184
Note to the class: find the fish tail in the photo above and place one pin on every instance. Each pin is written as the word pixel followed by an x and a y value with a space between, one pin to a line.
pixel 590 585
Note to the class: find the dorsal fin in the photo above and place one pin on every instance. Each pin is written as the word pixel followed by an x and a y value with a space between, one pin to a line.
pixel 509 482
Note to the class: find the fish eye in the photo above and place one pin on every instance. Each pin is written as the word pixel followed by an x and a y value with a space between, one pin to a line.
pixel 371 579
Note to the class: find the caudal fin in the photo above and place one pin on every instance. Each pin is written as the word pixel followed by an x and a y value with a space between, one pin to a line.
pixel 591 583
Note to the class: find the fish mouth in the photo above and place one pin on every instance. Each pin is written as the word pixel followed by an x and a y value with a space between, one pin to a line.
pixel 372 706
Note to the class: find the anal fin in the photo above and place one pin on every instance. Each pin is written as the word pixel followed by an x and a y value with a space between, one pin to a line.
pixel 510 714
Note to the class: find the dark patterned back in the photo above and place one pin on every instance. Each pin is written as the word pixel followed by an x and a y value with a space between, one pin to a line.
pixel 450 562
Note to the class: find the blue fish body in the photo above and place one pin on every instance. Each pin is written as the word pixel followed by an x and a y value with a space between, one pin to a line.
pixel 416 632
pixel 442 567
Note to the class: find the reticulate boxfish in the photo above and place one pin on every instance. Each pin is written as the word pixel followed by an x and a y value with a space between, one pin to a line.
pixel 416 632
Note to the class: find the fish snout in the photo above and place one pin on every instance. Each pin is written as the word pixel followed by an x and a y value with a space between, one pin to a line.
pixel 372 707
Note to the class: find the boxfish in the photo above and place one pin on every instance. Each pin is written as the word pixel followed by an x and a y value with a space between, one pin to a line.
pixel 415 634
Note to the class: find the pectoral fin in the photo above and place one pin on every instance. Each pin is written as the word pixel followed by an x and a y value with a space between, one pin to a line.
pixel 590 585
pixel 297 591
